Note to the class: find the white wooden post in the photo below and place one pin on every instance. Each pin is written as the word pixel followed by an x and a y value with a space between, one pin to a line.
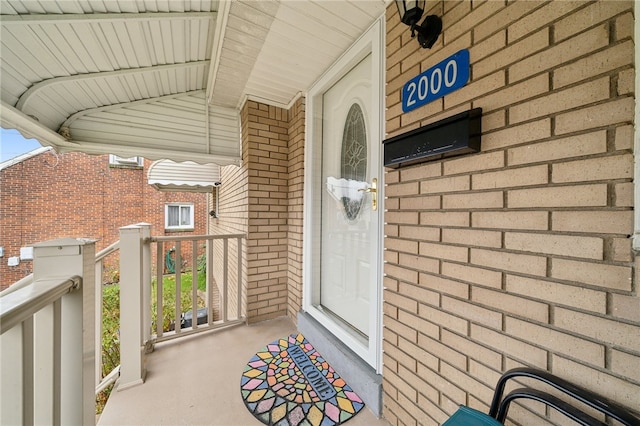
pixel 132 370
pixel 74 321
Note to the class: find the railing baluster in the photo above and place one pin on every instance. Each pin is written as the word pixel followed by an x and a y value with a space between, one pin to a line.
pixel 194 285
pixel 27 372
pixel 178 275
pixel 57 360
pixel 209 277
pixel 43 358
pixel 159 272
pixel 11 383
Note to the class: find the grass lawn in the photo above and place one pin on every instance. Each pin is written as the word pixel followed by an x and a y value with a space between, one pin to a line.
pixel 169 298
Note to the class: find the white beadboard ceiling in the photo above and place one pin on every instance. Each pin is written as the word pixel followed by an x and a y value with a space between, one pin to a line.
pixel 163 79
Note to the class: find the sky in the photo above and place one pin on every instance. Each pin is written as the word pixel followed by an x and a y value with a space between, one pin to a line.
pixel 13 144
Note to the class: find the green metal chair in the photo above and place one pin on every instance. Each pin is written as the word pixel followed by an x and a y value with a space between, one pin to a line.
pixel 470 417
pixel 466 416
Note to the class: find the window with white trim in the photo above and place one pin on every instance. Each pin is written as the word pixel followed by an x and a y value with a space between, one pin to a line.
pixel 114 160
pixel 178 216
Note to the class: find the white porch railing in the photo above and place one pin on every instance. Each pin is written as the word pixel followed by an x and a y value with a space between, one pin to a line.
pixel 51 321
pixel 223 302
pixel 102 382
pixel 47 339
pixel 222 299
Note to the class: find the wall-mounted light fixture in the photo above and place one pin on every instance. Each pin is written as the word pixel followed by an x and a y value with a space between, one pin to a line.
pixel 410 13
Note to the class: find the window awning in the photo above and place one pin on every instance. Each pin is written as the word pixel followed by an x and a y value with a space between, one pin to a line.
pixel 167 175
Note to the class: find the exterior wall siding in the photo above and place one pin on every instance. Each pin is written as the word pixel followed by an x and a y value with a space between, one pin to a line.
pixel 52 196
pixel 519 254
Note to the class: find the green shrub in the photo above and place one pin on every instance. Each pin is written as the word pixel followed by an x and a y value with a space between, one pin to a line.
pixel 110 337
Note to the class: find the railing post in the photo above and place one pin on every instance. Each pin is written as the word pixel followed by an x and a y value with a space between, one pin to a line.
pixel 131 317
pixel 65 374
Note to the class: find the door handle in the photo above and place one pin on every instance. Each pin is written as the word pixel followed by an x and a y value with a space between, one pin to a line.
pixel 373 189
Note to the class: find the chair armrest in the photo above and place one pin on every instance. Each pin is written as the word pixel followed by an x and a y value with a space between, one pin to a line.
pixel 593 400
pixel 568 410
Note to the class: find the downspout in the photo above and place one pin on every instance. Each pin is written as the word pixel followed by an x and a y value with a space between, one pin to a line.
pixel 207 126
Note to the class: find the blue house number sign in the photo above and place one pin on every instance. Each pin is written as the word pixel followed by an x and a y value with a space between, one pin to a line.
pixel 439 80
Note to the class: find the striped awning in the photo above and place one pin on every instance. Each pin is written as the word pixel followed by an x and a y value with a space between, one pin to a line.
pixel 167 175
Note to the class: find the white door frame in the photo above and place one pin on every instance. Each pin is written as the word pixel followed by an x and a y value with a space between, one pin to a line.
pixel 371 42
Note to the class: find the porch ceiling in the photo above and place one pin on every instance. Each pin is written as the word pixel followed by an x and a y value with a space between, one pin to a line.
pixel 162 79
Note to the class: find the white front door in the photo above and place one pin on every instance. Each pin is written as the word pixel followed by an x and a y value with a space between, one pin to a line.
pixel 349 234
pixel 343 170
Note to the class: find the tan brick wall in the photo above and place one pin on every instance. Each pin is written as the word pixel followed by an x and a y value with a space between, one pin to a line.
pixel 233 205
pixel 264 200
pixel 518 255
pixel 295 208
pixel 267 163
pixel 231 214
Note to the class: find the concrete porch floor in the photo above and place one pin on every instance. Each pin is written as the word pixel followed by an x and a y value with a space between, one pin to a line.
pixel 196 381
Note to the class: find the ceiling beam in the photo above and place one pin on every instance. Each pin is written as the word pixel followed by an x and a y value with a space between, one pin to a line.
pixel 218 40
pixel 24 98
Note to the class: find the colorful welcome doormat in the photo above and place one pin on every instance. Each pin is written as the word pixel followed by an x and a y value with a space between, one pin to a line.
pixel 288 383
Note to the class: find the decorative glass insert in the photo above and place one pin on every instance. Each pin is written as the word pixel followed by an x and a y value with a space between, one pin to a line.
pixel 354 160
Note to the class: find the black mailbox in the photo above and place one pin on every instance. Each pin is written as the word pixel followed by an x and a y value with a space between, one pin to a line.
pixel 455 135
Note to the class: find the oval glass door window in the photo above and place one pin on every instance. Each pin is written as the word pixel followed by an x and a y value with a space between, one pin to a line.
pixel 354 162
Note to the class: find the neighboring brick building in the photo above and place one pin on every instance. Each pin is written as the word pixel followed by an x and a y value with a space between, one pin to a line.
pixel 44 195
